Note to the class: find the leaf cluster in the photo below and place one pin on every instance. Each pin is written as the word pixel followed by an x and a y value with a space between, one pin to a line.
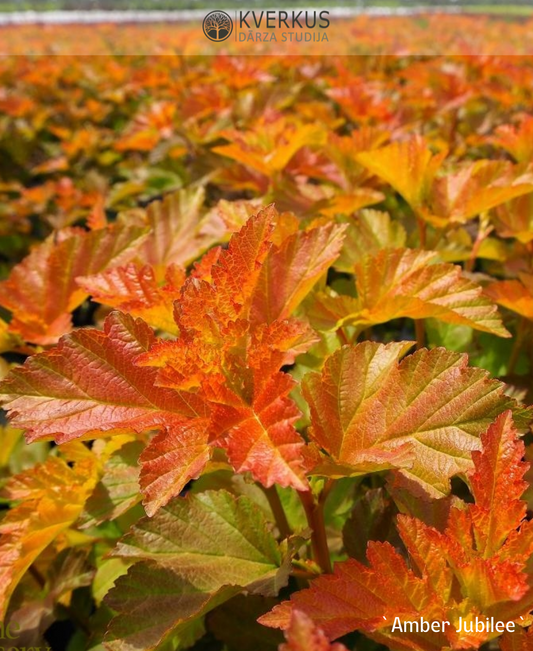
pixel 252 401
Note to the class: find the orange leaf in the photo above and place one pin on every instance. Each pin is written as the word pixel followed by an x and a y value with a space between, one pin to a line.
pixel 134 290
pixel 232 360
pixel 89 386
pixel 269 147
pixel 408 166
pixel 172 459
pixel 497 485
pixel 515 218
pixel 347 204
pixel 518 141
pixel 411 169
pixel 368 233
pixel 291 270
pixel 520 640
pixel 449 577
pixel 52 496
pixel 304 635
pixel 265 441
pixel 473 190
pixel 41 291
pixel 424 414
pixel 179 233
pixel 404 283
pixel 515 295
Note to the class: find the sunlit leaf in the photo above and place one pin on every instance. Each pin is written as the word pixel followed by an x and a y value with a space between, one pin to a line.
pixel 291 270
pixel 409 283
pixel 451 574
pixel 515 295
pixel 50 498
pixel 368 233
pixel 42 291
pixel 135 290
pixel 369 411
pixel 90 385
pixel 408 166
pixel 179 230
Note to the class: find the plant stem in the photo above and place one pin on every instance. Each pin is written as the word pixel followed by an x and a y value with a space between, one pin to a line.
pixel 517 345
pixel 326 491
pixel 319 540
pixel 420 332
pixel 37 576
pixel 278 512
pixel 422 232
pixel 482 234
pixel 342 336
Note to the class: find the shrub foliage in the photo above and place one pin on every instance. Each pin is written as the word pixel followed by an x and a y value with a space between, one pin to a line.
pixel 269 342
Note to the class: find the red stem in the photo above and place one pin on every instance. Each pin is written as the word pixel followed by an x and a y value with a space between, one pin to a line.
pixel 420 331
pixel 278 512
pixel 319 540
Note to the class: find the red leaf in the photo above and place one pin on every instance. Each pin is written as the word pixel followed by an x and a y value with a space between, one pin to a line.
pixel 303 635
pixel 41 291
pixel 497 485
pixel 292 269
pixel 135 290
pixel 172 459
pixel 265 442
pixel 476 568
pixel 89 385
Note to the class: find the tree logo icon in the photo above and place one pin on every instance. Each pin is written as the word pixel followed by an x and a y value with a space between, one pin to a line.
pixel 217 26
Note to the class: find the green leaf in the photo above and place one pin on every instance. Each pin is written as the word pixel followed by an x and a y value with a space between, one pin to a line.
pixel 235 624
pixel 423 415
pixel 194 554
pixel 368 233
pixel 493 354
pixel 106 576
pixel 372 518
pixel 156 603
pixel 451 336
pixel 118 490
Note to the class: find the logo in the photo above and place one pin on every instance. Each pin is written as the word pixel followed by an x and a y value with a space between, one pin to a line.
pixel 217 26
